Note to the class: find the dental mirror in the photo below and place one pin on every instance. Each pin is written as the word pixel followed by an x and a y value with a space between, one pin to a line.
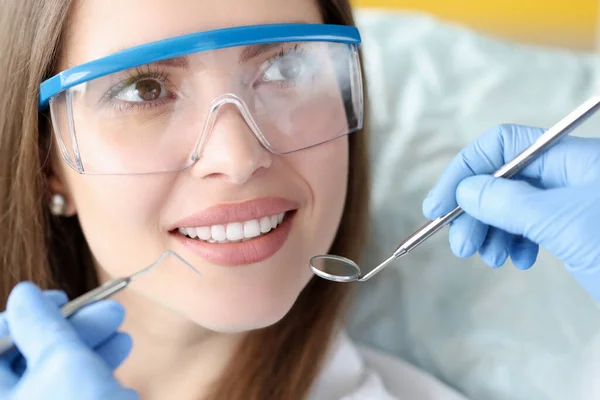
pixel 341 269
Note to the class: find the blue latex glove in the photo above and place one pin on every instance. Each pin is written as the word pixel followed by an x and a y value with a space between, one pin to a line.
pixel 65 360
pixel 554 202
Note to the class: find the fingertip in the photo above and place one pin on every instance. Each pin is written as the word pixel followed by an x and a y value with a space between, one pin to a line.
pixel 494 250
pixel 522 264
pixel 24 287
pixel 106 310
pixel 20 292
pixel 58 297
pixel 430 206
pixel 457 245
pixel 495 260
pixel 114 309
pixel 116 349
pixel 132 395
pixel 523 253
pixel 466 236
pixel 114 306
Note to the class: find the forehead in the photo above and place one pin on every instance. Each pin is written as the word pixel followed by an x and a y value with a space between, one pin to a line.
pixel 101 27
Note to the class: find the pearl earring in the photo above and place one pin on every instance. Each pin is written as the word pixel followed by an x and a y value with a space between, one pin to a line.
pixel 58 204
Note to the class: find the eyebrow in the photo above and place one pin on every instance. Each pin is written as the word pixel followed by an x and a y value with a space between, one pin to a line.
pixel 248 53
pixel 255 50
pixel 175 62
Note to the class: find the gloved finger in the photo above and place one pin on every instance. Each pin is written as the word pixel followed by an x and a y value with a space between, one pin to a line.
pixel 542 216
pixel 58 297
pixel 8 376
pixel 482 156
pixel 495 248
pixel 571 161
pixel 8 379
pixel 9 360
pixel 523 252
pixel 123 394
pixel 96 322
pixel 36 324
pixel 466 235
pixel 502 203
pixel 115 350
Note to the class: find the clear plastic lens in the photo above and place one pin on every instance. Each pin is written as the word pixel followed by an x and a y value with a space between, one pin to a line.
pixel 153 118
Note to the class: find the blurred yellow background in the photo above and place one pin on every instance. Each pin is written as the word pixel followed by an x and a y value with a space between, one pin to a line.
pixel 572 24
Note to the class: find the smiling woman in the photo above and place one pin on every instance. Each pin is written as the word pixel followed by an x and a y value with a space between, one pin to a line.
pixel 231 135
pixel 227 135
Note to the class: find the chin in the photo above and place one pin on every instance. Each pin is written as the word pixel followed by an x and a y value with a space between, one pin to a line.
pixel 234 315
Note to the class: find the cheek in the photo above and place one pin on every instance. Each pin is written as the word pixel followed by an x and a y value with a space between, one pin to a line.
pixel 327 175
pixel 119 216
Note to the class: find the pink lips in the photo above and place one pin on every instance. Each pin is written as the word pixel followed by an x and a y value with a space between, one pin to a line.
pixel 240 253
pixel 224 214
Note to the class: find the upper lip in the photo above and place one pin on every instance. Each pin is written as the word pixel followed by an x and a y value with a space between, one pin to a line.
pixel 226 213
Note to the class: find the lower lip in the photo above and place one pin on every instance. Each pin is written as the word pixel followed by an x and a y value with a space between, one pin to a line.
pixel 241 253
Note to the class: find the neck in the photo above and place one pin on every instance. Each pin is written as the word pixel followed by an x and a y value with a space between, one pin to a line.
pixel 171 356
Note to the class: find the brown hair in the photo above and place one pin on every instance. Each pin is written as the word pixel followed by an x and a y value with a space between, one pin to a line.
pixel 277 362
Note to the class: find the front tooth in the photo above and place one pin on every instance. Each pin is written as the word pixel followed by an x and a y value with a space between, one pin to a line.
pixel 235 231
pixel 274 221
pixel 203 233
pixel 265 224
pixel 218 232
pixel 251 228
pixel 192 232
pixel 280 218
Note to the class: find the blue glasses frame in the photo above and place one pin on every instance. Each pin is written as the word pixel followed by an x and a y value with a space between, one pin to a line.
pixel 193 43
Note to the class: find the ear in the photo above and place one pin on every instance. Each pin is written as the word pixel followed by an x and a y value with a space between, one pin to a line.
pixel 57 185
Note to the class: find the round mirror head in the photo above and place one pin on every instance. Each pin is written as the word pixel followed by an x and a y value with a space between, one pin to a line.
pixel 335 268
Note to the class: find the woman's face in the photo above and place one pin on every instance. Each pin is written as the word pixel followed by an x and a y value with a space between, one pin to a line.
pixel 130 220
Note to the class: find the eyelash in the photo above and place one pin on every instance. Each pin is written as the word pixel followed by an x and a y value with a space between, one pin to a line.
pixel 282 54
pixel 131 77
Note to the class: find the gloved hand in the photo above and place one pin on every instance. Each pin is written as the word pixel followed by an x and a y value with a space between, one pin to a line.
pixel 65 360
pixel 553 202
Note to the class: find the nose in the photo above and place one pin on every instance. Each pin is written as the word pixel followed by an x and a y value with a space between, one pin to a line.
pixel 229 149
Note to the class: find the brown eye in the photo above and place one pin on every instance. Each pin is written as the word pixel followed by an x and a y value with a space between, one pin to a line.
pixel 148 89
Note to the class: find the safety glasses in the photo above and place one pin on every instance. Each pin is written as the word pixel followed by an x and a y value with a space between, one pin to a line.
pixel 151 108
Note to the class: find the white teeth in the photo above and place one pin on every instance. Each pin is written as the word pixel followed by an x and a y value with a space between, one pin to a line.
pixel 251 228
pixel 265 224
pixel 218 232
pixel 191 232
pixel 204 232
pixel 235 231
